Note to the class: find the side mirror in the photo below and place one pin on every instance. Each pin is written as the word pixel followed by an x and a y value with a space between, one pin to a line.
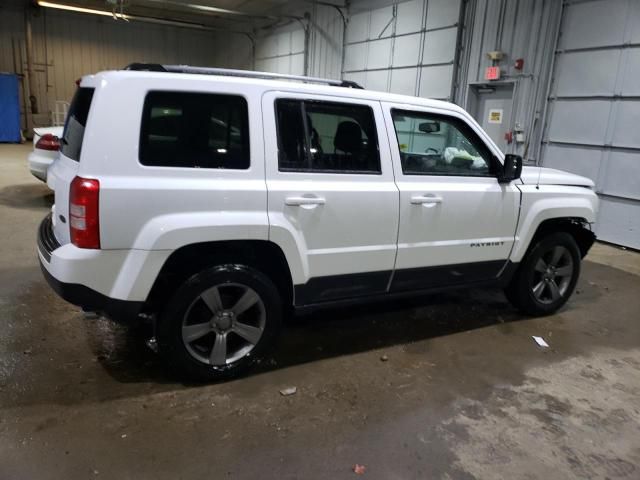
pixel 429 127
pixel 512 168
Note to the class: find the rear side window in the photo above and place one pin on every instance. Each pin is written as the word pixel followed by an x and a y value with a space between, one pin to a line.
pixel 328 137
pixel 195 130
pixel 76 123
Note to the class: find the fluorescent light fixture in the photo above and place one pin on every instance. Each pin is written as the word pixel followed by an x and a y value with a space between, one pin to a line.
pixel 72 8
pixel 122 16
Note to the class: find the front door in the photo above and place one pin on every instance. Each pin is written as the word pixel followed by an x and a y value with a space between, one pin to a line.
pixel 457 223
pixel 331 194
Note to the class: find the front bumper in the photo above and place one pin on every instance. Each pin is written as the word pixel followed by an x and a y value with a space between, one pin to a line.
pixel 85 297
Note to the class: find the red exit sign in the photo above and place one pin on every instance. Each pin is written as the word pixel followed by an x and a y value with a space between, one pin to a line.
pixel 492 73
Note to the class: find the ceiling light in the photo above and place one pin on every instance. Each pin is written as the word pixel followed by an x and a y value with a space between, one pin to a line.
pixel 71 8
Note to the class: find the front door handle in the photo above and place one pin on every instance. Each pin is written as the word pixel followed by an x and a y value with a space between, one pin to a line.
pixel 425 199
pixel 299 201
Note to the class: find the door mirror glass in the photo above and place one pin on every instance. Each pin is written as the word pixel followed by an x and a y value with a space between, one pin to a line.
pixel 429 127
pixel 512 168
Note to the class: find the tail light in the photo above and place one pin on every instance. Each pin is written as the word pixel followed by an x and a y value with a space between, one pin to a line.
pixel 83 212
pixel 48 142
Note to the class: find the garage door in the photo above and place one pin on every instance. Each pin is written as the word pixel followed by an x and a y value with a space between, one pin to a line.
pixel 407 48
pixel 594 112
pixel 281 52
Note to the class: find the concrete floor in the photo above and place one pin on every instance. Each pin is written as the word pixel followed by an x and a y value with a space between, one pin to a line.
pixel 465 392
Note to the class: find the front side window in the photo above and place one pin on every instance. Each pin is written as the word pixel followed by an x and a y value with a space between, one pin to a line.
pixel 432 144
pixel 316 136
pixel 197 130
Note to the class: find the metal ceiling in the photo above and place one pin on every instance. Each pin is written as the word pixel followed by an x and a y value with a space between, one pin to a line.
pixel 248 16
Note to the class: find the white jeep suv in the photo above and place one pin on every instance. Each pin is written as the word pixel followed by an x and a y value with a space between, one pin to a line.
pixel 218 201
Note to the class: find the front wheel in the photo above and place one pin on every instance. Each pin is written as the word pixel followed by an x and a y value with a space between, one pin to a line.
pixel 220 322
pixel 546 278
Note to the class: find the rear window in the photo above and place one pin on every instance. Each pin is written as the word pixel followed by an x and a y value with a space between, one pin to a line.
pixel 194 130
pixel 76 123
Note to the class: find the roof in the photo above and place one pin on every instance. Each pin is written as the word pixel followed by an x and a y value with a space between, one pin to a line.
pixel 268 80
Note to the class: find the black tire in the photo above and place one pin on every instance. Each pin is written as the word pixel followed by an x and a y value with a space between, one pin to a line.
pixel 189 359
pixel 549 298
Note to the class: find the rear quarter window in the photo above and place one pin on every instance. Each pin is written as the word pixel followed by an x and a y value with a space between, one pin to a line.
pixel 194 130
pixel 76 123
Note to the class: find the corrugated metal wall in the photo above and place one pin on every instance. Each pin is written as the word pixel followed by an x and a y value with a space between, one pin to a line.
pixel 521 29
pixel 282 50
pixel 69 45
pixel 407 47
pixel 594 114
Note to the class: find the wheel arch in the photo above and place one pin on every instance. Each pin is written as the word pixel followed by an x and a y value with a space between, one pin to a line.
pixel 579 228
pixel 190 259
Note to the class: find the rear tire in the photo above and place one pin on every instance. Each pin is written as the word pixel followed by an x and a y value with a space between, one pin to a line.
pixel 220 322
pixel 547 277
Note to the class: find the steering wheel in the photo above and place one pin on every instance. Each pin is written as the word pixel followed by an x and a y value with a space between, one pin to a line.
pixel 431 149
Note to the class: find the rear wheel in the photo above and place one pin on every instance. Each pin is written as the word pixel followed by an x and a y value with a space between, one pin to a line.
pixel 546 278
pixel 220 322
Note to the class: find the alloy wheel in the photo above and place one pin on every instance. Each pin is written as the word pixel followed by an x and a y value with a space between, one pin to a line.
pixel 552 274
pixel 223 324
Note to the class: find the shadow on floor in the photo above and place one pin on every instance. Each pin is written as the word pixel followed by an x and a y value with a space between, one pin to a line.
pixel 323 334
pixel 28 196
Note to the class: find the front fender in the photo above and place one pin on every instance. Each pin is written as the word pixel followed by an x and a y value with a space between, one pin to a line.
pixel 549 202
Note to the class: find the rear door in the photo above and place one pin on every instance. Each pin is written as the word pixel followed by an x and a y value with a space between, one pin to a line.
pixel 64 169
pixel 457 223
pixel 331 194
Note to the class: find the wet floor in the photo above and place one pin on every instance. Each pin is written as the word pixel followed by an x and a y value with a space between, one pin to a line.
pixel 451 386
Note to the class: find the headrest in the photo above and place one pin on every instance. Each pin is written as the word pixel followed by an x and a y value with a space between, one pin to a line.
pixel 348 137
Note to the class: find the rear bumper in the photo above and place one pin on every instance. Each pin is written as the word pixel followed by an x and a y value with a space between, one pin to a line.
pixel 77 293
pixel 121 310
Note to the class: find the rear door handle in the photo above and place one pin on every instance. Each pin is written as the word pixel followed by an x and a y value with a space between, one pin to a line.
pixel 298 201
pixel 423 199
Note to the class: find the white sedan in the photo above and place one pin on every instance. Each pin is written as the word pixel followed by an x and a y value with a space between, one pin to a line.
pixel 46 143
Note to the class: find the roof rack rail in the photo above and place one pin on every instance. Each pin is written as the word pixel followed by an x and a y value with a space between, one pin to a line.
pixel 156 67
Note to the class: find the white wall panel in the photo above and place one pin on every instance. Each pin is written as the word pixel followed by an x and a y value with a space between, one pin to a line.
pixel 585 162
pixel 442 13
pixel 380 25
pixel 620 176
pixel 358 30
pixel 626 127
pixel 586 73
pixel 377 80
pixel 435 82
pixel 394 37
pixel 379 54
pixel 618 221
pixel 440 46
pixel 279 50
pixel 355 57
pixel 593 24
pixel 631 72
pixel 410 15
pixel 579 122
pixel 404 81
pixel 406 50
pixel 595 102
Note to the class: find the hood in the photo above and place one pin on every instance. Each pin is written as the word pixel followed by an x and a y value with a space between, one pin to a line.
pixel 551 176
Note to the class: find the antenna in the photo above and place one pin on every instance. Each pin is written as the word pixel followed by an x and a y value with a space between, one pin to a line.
pixel 539 172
